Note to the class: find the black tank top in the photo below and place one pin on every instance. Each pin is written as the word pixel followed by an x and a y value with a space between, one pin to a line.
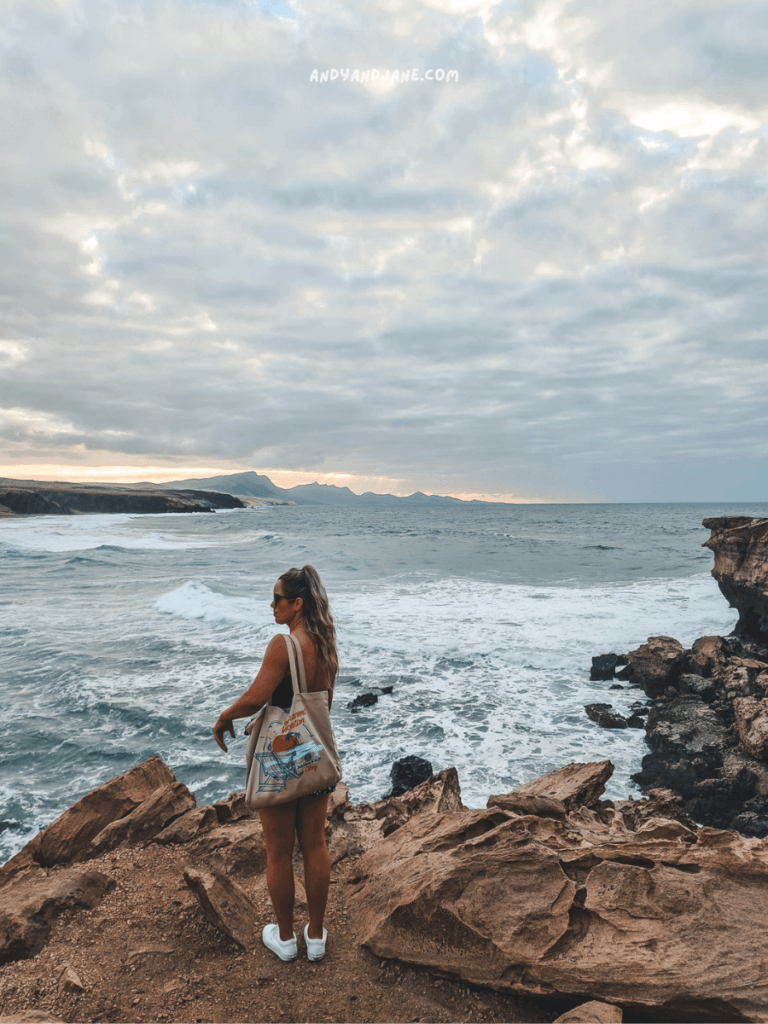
pixel 282 695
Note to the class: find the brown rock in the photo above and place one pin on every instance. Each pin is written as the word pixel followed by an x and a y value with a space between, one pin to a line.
pixel 592 1012
pixel 225 905
pixel 436 794
pixel 752 725
pixel 657 664
pixel 233 809
pixel 68 980
pixel 575 909
pixel 576 785
pixel 67 838
pixel 188 826
pixel 708 657
pixel 32 901
pixel 338 801
pixel 145 821
pixel 236 849
pixel 660 803
pixel 740 545
pixel 527 803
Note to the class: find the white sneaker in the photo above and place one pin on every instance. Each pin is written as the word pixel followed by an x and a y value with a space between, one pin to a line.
pixel 270 936
pixel 315 947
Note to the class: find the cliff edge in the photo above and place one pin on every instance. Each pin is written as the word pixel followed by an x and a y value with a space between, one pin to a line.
pixel 740 545
pixel 137 905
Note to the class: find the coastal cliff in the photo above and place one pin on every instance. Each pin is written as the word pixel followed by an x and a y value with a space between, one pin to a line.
pixel 34 498
pixel 137 905
pixel 740 545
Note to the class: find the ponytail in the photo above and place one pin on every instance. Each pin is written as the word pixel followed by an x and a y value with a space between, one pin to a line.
pixel 317 619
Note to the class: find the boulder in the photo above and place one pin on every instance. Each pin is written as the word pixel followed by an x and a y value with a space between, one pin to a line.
pixel 408 772
pixel 233 809
pixel 708 657
pixel 592 1012
pixel 752 725
pixel 67 838
pixel 145 821
pixel 226 906
pixel 576 909
pixel 188 826
pixel 363 700
pixel 602 714
pixel 656 664
pixel 575 785
pixel 604 667
pixel 700 686
pixel 740 544
pixel 236 849
pixel 30 902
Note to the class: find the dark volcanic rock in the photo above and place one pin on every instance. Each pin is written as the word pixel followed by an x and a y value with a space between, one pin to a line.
pixel 408 772
pixel 603 667
pixel 740 545
pixel 607 719
pixel 364 700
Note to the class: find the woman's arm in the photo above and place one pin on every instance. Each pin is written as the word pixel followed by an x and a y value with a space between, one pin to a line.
pixel 274 667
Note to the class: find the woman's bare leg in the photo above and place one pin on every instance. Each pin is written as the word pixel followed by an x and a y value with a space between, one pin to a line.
pixel 311 815
pixel 279 825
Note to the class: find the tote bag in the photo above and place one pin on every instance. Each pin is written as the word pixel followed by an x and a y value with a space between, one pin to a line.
pixel 291 754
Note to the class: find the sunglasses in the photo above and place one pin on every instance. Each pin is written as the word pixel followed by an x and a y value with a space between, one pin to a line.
pixel 277 598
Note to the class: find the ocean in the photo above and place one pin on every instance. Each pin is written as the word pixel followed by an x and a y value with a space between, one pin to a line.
pixel 125 636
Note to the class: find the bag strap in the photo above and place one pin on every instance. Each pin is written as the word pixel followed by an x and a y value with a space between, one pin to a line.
pixel 294 654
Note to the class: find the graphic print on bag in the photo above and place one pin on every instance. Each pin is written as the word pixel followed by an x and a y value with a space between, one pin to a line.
pixel 289 749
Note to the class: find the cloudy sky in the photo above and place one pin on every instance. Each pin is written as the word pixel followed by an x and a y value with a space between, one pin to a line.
pixel 543 280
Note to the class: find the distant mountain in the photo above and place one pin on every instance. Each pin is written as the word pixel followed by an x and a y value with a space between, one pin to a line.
pixel 254 485
pixel 250 485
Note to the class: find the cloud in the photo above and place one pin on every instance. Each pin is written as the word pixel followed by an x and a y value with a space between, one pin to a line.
pixel 544 278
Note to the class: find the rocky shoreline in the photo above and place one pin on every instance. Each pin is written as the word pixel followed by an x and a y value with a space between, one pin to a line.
pixel 707 714
pixel 137 905
pixel 33 498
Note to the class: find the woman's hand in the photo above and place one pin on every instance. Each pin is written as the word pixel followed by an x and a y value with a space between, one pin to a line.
pixel 223 725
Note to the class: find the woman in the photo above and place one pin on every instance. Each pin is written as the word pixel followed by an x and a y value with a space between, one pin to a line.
pixel 300 602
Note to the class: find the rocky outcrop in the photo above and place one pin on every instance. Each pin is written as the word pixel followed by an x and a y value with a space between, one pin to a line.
pixel 31 902
pixel 67 838
pixel 708 727
pixel 662 921
pixel 740 545
pixel 708 734
pixel 550 891
pixel 31 497
pixel 144 822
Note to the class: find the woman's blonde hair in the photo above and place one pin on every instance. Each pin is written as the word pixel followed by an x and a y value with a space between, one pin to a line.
pixel 318 621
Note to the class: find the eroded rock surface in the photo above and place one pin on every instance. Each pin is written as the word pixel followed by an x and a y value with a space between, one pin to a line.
pixel 740 545
pixel 575 785
pixel 582 907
